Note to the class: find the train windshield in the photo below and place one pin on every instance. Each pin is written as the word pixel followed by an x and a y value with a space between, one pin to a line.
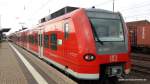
pixel 107 29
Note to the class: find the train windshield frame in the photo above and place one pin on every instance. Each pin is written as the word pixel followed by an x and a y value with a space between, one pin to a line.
pixel 107 29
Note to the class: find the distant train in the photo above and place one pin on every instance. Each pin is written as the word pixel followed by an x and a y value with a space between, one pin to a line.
pixel 86 43
pixel 139 32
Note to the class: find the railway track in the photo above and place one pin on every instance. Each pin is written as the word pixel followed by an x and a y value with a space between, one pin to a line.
pixel 141 56
pixel 141 62
pixel 141 69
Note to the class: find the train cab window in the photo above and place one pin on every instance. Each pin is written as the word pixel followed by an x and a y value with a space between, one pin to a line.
pixel 46 40
pixel 53 41
pixel 66 30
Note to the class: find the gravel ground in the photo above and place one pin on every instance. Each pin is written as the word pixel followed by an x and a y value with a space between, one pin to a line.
pixel 136 78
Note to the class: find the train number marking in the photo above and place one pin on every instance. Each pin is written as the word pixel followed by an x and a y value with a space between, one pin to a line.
pixel 113 58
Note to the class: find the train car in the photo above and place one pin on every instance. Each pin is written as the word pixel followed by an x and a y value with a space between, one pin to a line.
pixel 86 43
pixel 139 34
pixel 18 38
pixel 33 41
pixel 23 38
pixel 143 39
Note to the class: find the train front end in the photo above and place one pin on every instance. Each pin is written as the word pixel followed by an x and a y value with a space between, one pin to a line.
pixel 111 42
pixel 104 44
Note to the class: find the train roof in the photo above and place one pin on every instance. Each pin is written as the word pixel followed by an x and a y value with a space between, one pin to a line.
pixel 68 9
pixel 99 10
pixel 58 13
pixel 101 13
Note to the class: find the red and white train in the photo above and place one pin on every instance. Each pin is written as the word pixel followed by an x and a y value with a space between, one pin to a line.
pixel 86 43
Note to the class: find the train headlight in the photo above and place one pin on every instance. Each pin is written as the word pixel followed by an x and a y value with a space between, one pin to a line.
pixel 127 71
pixel 89 57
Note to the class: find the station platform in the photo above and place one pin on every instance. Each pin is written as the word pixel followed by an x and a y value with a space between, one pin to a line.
pixel 10 70
pixel 17 66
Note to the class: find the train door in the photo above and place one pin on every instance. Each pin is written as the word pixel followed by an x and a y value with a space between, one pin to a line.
pixel 40 43
pixel 66 35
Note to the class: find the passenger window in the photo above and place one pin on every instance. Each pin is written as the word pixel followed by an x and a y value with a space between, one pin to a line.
pixel 36 38
pixel 31 39
pixel 66 30
pixel 46 40
pixel 53 41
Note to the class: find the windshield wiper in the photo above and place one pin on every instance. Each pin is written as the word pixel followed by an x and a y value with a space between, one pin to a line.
pixel 95 35
pixel 98 40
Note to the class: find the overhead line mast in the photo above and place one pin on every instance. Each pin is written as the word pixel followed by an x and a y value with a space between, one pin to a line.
pixel 113 5
pixel 0 21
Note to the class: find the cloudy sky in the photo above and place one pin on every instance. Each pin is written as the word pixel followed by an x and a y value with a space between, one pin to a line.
pixel 15 13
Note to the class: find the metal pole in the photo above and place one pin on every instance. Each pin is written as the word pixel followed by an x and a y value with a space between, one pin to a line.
pixel 0 21
pixel 49 11
pixel 113 5
pixel 0 29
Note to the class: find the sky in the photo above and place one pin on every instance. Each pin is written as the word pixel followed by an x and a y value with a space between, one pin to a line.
pixel 15 13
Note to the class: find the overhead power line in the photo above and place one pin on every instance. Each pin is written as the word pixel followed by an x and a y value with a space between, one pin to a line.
pixel 42 6
pixel 139 14
pixel 103 3
pixel 136 7
pixel 38 10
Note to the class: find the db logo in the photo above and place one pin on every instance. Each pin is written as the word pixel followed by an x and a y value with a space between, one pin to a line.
pixel 113 58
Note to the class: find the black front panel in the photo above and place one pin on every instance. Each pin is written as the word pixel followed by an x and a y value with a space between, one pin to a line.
pixel 111 48
pixel 113 69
